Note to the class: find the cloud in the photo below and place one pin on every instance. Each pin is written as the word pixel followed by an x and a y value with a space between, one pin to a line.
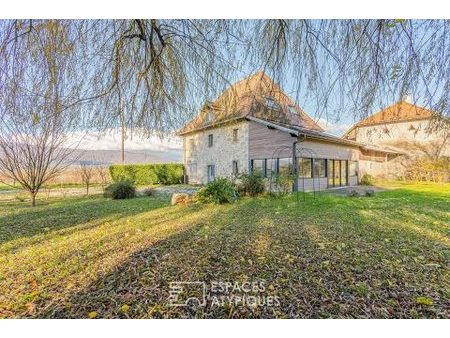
pixel 110 140
pixel 337 129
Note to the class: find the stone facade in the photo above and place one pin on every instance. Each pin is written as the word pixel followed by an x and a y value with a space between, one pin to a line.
pixel 413 138
pixel 226 148
pixel 254 141
pixel 389 133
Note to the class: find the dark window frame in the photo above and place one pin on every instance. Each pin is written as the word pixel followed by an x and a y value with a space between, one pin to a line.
pixel 300 167
pixel 210 140
pixel 235 168
pixel 235 134
pixel 316 160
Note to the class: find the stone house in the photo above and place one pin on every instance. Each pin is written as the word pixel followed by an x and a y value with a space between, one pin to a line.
pixel 254 125
pixel 405 129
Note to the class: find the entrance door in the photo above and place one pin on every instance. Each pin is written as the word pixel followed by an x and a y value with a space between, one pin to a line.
pixel 337 173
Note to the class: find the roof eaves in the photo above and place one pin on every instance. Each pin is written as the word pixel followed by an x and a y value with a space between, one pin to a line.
pixel 209 126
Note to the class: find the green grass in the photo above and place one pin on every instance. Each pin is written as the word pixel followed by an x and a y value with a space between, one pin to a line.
pixel 364 257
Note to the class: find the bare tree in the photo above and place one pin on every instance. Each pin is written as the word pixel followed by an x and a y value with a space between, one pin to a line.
pixel 34 127
pixel 32 152
pixel 87 174
pixel 103 175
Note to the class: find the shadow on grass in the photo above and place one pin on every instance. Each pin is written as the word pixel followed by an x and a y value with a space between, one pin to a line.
pixel 69 212
pixel 322 258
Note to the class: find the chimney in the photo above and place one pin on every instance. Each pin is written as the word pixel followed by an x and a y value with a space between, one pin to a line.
pixel 407 98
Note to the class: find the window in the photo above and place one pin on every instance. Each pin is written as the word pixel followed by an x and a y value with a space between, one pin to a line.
pixel 235 135
pixel 292 110
pixel 258 166
pixel 210 140
pixel 235 168
pixel 272 104
pixel 211 172
pixel 209 117
pixel 320 167
pixel 285 166
pixel 344 172
pixel 352 168
pixel 191 144
pixel 193 169
pixel 271 167
pixel 304 167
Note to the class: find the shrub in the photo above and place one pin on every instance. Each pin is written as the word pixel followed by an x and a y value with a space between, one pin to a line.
pixel 219 191
pixel 145 174
pixel 149 192
pixel 370 193
pixel 251 184
pixel 283 183
pixel 429 170
pixel 120 190
pixel 367 179
pixel 352 193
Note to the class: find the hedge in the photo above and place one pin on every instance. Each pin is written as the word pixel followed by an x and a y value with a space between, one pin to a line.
pixel 144 174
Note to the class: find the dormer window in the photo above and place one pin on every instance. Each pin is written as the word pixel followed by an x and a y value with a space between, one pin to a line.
pixel 291 110
pixel 209 116
pixel 272 104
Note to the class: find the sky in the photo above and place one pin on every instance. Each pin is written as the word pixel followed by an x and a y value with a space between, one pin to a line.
pixel 110 140
pixel 334 119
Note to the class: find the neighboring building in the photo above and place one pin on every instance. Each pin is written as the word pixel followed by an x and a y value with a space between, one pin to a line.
pixel 253 125
pixel 404 128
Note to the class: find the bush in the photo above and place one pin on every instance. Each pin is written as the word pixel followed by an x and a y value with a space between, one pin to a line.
pixel 251 184
pixel 429 170
pixel 370 193
pixel 283 183
pixel 120 190
pixel 367 179
pixel 145 174
pixel 149 192
pixel 219 191
pixel 352 193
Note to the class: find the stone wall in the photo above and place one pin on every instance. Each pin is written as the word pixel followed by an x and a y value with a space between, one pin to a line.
pixel 198 155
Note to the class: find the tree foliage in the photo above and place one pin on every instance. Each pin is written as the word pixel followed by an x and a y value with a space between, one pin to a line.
pixel 157 73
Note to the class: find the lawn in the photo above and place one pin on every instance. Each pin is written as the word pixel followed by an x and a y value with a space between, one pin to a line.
pixel 333 256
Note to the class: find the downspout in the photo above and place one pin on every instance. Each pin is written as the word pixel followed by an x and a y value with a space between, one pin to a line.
pixel 294 166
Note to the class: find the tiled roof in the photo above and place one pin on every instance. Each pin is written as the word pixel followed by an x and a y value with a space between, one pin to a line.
pixel 398 112
pixel 252 96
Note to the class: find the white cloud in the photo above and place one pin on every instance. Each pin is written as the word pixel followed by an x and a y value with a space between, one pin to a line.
pixel 110 140
pixel 337 129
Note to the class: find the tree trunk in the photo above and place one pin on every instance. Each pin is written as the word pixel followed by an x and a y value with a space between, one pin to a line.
pixel 122 143
pixel 87 189
pixel 33 199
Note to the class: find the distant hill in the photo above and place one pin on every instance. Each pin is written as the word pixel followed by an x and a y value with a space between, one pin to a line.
pixel 108 157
